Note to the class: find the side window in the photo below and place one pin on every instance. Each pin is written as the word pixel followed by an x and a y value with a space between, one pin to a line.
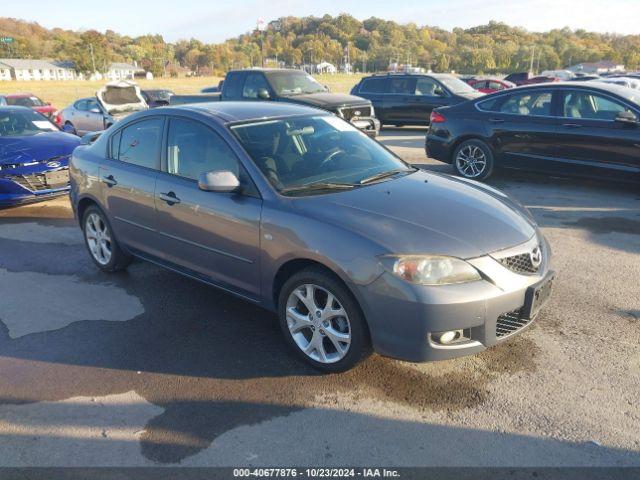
pixel 253 83
pixel 590 106
pixel 404 86
pixel 527 103
pixel 140 143
pixel 426 86
pixel 193 149
pixel 480 84
pixel 92 104
pixel 81 105
pixel 373 85
pixel 496 86
pixel 232 84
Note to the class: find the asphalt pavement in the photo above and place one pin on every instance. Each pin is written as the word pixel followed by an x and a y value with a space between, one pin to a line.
pixel 147 367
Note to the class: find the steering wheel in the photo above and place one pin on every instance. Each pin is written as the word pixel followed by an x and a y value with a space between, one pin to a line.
pixel 331 157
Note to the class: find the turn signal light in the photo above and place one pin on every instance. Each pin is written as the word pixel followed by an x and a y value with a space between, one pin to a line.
pixel 436 117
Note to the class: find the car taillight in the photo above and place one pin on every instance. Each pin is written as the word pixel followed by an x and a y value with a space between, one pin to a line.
pixel 436 117
pixel 57 118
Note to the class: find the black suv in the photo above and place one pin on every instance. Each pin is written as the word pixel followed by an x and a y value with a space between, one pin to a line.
pixel 408 99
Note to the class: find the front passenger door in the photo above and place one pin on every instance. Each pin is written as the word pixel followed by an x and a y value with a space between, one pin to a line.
pixel 211 235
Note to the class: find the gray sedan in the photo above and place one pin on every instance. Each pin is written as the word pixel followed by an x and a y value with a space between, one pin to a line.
pixel 85 115
pixel 296 210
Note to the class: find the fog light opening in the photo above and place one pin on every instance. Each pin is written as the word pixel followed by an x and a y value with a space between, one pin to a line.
pixel 445 338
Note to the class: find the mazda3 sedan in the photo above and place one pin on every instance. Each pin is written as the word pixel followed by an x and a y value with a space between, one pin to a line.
pixel 296 210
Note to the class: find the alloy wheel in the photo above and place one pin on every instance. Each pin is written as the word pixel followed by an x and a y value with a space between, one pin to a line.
pixel 98 238
pixel 318 323
pixel 471 161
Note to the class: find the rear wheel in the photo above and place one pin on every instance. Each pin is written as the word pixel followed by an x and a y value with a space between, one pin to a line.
pixel 101 242
pixel 322 322
pixel 473 159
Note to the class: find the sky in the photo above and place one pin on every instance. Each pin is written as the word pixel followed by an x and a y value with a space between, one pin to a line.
pixel 217 20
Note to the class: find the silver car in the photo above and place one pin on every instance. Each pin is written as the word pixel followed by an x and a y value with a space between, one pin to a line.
pixel 298 211
pixel 112 102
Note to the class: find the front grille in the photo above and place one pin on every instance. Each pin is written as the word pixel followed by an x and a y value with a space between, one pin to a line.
pixel 510 322
pixel 38 181
pixel 519 263
pixel 349 113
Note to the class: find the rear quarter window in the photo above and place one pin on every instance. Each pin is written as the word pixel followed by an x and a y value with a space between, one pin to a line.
pixel 373 85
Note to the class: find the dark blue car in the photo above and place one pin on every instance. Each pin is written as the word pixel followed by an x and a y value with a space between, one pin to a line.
pixel 34 156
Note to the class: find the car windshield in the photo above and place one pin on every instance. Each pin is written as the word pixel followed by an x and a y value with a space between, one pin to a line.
pixel 455 84
pixel 309 155
pixel 23 123
pixel 24 101
pixel 293 83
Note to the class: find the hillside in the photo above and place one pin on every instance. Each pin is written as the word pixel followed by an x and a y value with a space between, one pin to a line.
pixel 371 44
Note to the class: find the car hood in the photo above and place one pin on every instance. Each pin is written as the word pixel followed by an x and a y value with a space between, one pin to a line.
pixel 41 146
pixel 121 97
pixel 327 100
pixel 426 213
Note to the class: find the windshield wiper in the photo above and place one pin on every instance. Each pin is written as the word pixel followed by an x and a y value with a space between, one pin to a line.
pixel 318 186
pixel 381 175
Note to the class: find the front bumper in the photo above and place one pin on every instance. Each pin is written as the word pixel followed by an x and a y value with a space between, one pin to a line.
pixel 29 184
pixel 369 125
pixel 402 317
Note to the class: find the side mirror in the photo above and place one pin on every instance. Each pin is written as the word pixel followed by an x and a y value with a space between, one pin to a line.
pixel 67 128
pixel 95 110
pixel 222 181
pixel 628 118
pixel 263 94
pixel 48 103
pixel 438 92
pixel 326 87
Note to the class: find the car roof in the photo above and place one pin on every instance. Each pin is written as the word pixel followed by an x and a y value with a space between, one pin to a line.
pixel 19 95
pixel 227 112
pixel 15 107
pixel 592 84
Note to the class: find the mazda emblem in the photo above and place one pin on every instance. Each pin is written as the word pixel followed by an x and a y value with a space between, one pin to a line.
pixel 536 257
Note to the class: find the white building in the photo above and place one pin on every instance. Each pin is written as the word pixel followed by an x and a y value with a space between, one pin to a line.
pixel 29 69
pixel 603 66
pixel 5 73
pixel 122 71
pixel 326 67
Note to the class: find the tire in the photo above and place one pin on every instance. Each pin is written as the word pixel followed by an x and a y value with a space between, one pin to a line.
pixel 321 331
pixel 97 231
pixel 473 159
pixel 75 132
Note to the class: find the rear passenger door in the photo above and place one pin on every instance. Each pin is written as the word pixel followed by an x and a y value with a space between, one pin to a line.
pixel 128 179
pixel 591 141
pixel 398 101
pixel 211 235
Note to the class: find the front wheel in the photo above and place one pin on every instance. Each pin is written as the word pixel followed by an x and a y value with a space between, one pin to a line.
pixel 101 242
pixel 322 322
pixel 473 159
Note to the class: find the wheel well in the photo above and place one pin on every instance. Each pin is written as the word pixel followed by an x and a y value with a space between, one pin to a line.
pixel 82 207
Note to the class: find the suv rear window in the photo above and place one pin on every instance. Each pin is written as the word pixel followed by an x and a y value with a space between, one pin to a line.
pixel 373 85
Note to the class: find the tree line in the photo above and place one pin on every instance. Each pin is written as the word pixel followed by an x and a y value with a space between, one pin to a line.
pixel 369 45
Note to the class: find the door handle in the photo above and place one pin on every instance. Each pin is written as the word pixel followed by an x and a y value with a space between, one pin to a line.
pixel 109 180
pixel 571 125
pixel 169 197
pixel 496 120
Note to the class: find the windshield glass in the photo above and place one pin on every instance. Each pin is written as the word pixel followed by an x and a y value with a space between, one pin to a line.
pixel 25 101
pixel 23 122
pixel 455 84
pixel 293 83
pixel 314 154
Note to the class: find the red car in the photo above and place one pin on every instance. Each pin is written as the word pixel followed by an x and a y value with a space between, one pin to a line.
pixel 490 85
pixel 31 101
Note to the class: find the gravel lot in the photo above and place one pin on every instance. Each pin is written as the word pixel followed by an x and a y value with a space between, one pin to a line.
pixel 147 367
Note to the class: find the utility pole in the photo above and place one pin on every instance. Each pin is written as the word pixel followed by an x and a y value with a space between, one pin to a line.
pixel 533 54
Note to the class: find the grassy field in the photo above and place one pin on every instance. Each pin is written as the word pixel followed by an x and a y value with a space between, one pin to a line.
pixel 62 94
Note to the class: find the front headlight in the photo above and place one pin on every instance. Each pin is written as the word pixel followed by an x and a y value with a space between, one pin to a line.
pixel 430 269
pixel 373 111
